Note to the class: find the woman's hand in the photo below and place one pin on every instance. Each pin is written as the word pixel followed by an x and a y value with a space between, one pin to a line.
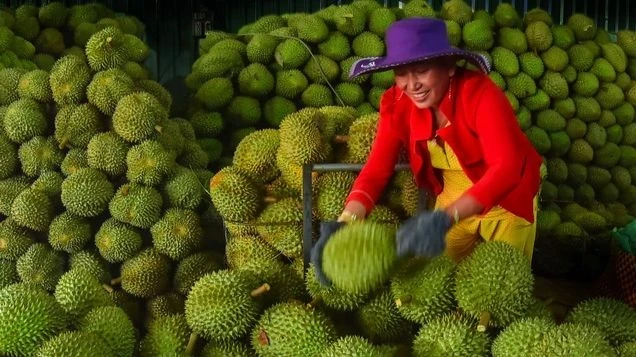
pixel 354 210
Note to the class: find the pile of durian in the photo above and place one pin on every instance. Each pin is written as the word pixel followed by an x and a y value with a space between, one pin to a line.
pixel 111 241
pixel 570 84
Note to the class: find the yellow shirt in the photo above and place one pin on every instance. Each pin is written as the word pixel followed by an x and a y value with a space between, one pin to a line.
pixel 455 180
pixel 497 224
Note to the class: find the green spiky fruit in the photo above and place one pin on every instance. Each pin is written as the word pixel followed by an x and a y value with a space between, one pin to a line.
pixel 39 155
pixel 78 292
pixel 87 192
pixel 75 344
pixel 234 195
pixel 53 14
pixel 117 241
pixel 74 160
pixel 164 305
pixel 167 335
pixel 242 250
pixel 380 320
pixel 69 232
pixel 137 205
pixel 255 156
pixel 107 88
pixel 35 85
pixel 424 290
pixel 49 182
pixel 285 284
pixel 15 240
pixel 477 35
pixel 521 336
pixel 8 274
pixel 450 336
pixel 226 349
pixel 361 137
pixel 23 120
pixel 375 254
pixel 113 326
pixel 136 116
pixel 33 209
pixel 178 233
pixel 351 346
pixel 75 125
pixel 106 49
pixel 571 339
pixel 193 267
pixel 69 78
pixel 91 262
pixel 255 80
pixel 280 224
pixel 495 279
pixel 149 163
pixel 30 316
pixel 615 319
pixel 183 190
pixel 261 47
pixel 539 36
pixel 107 152
pixel 147 274
pixel 332 188
pixel 292 328
pixel 9 159
pixel 300 136
pixel 331 296
pixel 156 90
pixel 223 305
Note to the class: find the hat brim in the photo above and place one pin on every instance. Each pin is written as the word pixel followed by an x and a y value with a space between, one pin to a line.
pixel 376 64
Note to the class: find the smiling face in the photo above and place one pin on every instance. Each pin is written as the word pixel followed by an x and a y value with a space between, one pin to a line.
pixel 426 82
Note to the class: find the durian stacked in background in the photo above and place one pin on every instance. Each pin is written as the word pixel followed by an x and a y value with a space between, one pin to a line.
pixel 570 85
pixel 96 176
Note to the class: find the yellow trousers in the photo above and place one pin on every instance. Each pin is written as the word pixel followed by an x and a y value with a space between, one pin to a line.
pixel 497 224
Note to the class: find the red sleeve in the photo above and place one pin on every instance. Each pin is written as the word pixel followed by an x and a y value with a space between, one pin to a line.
pixel 499 134
pixel 379 168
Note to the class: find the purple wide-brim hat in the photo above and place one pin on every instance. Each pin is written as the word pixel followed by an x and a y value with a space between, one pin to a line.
pixel 413 40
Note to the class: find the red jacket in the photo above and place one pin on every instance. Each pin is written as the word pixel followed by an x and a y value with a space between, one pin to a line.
pixel 483 132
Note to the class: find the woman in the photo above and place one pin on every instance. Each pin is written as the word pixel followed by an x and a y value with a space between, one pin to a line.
pixel 463 142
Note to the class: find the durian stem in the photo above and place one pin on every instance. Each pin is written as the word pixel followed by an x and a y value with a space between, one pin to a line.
pixel 260 290
pixel 62 145
pixel 341 139
pixel 484 320
pixel 262 338
pixel 159 129
pixel 192 342
pixel 270 199
pixel 403 300
pixel 108 288
pixel 115 281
